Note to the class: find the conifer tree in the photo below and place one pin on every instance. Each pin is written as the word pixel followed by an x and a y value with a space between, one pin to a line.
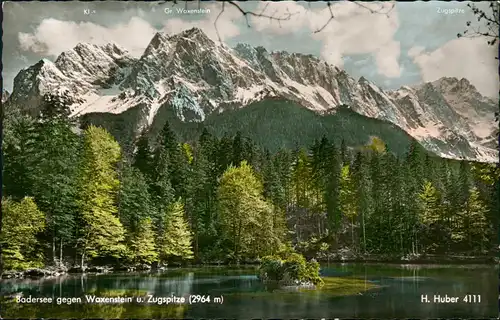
pixel 18 147
pixel 430 203
pixel 430 214
pixel 347 199
pixel 141 243
pixel 273 188
pixel 398 204
pixel 451 208
pixel 162 193
pixel 344 153
pixel 302 180
pixel 143 157
pixel 374 224
pixel 464 182
pixel 172 154
pixel 475 221
pixel 237 149
pixel 54 174
pixel 135 203
pixel 363 192
pixel 199 201
pixel 176 242
pixel 202 196
pixel 332 191
pixel 414 175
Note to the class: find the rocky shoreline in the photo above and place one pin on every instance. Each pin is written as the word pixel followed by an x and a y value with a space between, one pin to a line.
pixel 49 272
pixel 347 256
pixel 290 284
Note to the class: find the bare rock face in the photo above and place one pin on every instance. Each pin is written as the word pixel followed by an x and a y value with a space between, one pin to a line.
pixel 5 95
pixel 193 76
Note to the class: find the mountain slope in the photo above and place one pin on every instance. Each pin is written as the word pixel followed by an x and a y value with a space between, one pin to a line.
pixel 273 123
pixel 278 123
pixel 194 77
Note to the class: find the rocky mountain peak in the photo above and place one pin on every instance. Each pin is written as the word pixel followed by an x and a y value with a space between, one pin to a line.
pixel 244 47
pixel 40 73
pixel 363 80
pixel 83 47
pixel 167 57
pixel 43 63
pixel 114 50
pixel 192 39
pixel 194 33
pixel 158 41
pixel 454 85
pixel 261 50
pixel 464 82
pixel 249 54
pixel 92 62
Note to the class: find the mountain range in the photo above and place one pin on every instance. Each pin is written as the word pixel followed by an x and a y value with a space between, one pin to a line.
pixel 194 81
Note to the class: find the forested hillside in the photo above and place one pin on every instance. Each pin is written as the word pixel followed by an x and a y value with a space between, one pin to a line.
pixel 273 123
pixel 74 195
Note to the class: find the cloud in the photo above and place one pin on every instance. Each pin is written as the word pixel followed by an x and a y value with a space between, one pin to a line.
pixel 415 51
pixel 387 59
pixel 354 30
pixel 54 36
pixel 470 58
pixel 226 24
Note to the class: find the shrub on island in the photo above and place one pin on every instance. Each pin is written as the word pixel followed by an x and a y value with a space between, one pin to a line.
pixel 290 270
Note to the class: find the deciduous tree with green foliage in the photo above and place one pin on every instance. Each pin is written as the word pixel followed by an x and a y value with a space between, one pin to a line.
pixel 245 217
pixel 101 233
pixel 22 222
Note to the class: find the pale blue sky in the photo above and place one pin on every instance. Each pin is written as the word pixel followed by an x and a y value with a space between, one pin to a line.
pixel 378 48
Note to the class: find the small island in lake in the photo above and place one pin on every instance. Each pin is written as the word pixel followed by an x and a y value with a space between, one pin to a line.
pixel 291 270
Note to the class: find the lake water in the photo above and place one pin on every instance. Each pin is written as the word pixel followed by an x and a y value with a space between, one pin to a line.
pixel 351 290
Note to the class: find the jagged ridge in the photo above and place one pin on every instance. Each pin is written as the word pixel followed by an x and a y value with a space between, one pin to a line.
pixel 195 76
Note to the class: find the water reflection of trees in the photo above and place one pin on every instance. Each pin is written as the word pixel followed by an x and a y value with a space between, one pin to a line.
pixel 106 285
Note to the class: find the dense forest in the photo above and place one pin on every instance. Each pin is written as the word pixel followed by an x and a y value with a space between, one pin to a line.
pixel 74 195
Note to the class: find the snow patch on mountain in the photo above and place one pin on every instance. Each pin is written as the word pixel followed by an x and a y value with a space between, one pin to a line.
pixel 484 154
pixel 96 103
pixel 315 97
pixel 248 95
pixel 430 131
pixel 155 106
pixel 111 91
